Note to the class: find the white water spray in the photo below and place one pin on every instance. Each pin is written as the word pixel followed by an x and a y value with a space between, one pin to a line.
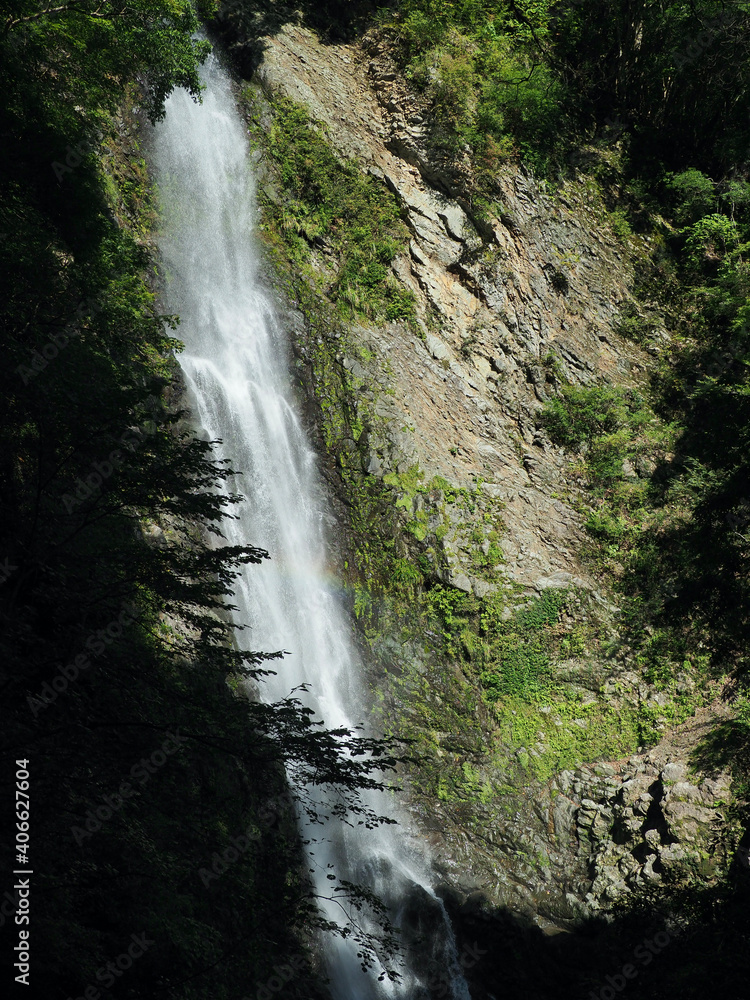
pixel 236 366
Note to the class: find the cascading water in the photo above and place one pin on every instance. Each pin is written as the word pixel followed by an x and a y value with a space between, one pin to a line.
pixel 236 366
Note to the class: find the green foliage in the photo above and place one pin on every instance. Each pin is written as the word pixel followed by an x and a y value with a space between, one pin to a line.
pixel 679 554
pixel 635 326
pixel 510 76
pixel 620 224
pixel 479 65
pixel 694 195
pixel 737 194
pixel 603 420
pixel 512 651
pixel 80 53
pixel 709 240
pixel 672 530
pixel 518 654
pixel 445 606
pixel 607 526
pixel 331 204
pixel 553 731
pixel 582 414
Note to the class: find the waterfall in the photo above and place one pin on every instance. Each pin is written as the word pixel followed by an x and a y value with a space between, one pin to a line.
pixel 236 365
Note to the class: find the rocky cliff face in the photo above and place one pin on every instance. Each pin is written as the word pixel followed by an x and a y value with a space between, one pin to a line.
pixel 512 298
pixel 504 303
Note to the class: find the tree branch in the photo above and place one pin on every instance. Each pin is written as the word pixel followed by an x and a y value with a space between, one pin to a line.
pixel 67 8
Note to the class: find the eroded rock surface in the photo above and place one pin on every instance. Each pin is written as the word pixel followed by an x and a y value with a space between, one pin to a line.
pixel 537 290
pixel 637 822
pixel 593 835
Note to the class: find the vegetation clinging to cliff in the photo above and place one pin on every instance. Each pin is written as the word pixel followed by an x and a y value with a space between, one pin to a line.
pixel 543 75
pixel 330 205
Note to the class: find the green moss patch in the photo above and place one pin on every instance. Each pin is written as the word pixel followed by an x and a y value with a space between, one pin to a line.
pixel 331 207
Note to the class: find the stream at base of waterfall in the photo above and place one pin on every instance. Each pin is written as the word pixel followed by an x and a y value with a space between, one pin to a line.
pixel 236 366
